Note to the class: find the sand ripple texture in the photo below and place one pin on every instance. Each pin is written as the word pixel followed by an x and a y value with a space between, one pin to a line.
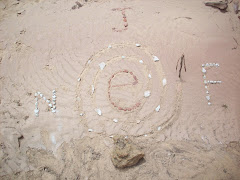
pixel 46 45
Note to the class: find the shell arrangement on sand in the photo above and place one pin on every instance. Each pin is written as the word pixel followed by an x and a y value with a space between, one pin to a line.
pixel 52 104
pixel 102 66
pixel 207 82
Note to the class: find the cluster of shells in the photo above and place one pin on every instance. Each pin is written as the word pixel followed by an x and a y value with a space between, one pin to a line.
pixel 52 104
pixel 146 94
pixel 207 82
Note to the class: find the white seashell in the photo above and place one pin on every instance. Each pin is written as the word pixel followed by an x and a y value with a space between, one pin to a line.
pixel 102 65
pixel 126 137
pixel 79 79
pixel 217 64
pixel 145 135
pixel 44 98
pixel 164 82
pixel 209 103
pixel 54 96
pixel 157 108
pixel 111 136
pixel 207 92
pixel 207 64
pixel 48 101
pixel 204 70
pixel 115 120
pixel 214 82
pixel 159 128
pixel 138 45
pixel 50 105
pixel 204 76
pixel 150 76
pixel 81 114
pixel 89 61
pixel 203 65
pixel 54 91
pixel 36 103
pixel 54 107
pixel 147 93
pixel 90 130
pixel 141 61
pixel 36 94
pixel 54 99
pixel 93 89
pixel 109 47
pixel 99 112
pixel 53 111
pixel 138 121
pixel 123 57
pixel 206 87
pixel 41 95
pixel 205 81
pixel 155 58
pixel 208 98
pixel 36 111
pixel 54 103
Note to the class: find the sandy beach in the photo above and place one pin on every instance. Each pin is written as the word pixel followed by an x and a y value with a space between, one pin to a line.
pixel 73 75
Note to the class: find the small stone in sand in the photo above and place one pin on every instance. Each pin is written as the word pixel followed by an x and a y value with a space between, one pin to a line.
pixel 125 153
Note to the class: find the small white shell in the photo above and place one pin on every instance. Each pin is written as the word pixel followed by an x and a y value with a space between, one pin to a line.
pixel 93 89
pixel 205 81
pixel 204 76
pixel 138 45
pixel 157 108
pixel 54 96
pixel 102 65
pixel 36 111
pixel 81 114
pixel 109 47
pixel 36 103
pixel 79 79
pixel 99 112
pixel 141 61
pixel 111 136
pixel 208 98
pixel 207 92
pixel 150 76
pixel 206 87
pixel 90 130
pixel 123 57
pixel 50 105
pixel 203 65
pixel 36 94
pixel 159 128
pixel 155 58
pixel 145 135
pixel 41 95
pixel 209 103
pixel 164 82
pixel 53 111
pixel 54 103
pixel 54 91
pixel 147 93
pixel 204 70
pixel 207 64
pixel 48 101
pixel 115 120
pixel 44 98
pixel 89 61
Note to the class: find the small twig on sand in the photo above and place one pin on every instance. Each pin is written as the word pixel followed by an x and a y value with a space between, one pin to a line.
pixel 182 58
pixel 183 17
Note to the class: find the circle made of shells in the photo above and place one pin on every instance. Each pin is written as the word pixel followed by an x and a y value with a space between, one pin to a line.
pixel 120 88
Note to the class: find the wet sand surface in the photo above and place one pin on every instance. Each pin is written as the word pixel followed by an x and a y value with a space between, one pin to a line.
pixel 58 45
